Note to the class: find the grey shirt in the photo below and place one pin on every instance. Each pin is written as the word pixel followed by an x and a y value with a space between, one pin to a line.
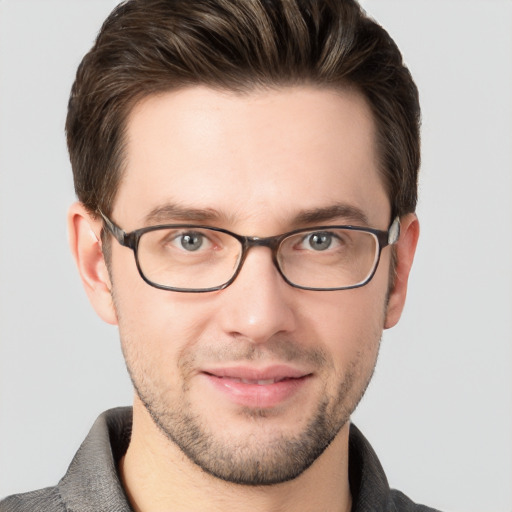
pixel 92 482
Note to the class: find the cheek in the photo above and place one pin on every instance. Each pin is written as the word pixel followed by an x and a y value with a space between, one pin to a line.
pixel 157 317
pixel 349 323
pixel 350 316
pixel 155 332
pixel 154 326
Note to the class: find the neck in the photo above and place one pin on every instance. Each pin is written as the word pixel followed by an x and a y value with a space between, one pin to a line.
pixel 157 475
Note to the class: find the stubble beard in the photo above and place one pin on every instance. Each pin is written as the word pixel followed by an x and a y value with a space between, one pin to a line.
pixel 251 461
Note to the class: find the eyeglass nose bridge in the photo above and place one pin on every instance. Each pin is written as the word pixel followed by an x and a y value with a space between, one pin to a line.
pixel 248 242
pixel 272 242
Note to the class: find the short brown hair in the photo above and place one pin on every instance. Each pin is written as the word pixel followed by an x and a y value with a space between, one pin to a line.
pixel 151 46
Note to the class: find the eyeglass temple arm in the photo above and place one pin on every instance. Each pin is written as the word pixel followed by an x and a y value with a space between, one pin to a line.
pixel 116 231
pixel 394 231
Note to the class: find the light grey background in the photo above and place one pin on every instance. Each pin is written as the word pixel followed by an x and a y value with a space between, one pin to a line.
pixel 439 411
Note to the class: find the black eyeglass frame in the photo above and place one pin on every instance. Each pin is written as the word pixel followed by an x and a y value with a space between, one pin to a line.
pixel 131 240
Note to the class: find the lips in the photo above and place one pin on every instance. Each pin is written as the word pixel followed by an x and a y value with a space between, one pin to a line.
pixel 261 388
pixel 259 382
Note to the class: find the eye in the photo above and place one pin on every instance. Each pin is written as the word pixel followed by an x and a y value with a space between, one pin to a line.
pixel 191 241
pixel 319 241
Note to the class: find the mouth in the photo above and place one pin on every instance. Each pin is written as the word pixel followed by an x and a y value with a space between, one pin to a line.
pixel 261 388
pixel 258 382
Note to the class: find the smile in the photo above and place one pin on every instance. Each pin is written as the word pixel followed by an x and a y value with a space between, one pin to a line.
pixel 257 388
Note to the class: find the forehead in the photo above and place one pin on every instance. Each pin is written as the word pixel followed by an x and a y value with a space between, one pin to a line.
pixel 262 156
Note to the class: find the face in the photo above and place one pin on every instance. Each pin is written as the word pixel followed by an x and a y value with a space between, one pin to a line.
pixel 252 382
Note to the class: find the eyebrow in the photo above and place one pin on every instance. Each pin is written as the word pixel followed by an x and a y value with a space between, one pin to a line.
pixel 173 212
pixel 347 213
pixel 170 213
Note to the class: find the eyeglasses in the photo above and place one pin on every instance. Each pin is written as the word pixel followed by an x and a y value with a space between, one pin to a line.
pixel 191 258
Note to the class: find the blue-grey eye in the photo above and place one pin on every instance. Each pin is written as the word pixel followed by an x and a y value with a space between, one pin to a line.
pixel 191 241
pixel 320 241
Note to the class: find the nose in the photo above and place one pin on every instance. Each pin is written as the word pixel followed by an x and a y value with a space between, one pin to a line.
pixel 258 304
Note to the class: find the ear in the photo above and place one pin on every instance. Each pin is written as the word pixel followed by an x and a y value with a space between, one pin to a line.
pixel 405 249
pixel 85 243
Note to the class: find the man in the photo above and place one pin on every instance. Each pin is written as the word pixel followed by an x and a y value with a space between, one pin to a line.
pixel 246 174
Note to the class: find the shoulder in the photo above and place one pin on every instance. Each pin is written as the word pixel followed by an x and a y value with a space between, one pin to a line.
pixel 91 482
pixel 399 502
pixel 42 500
pixel 368 483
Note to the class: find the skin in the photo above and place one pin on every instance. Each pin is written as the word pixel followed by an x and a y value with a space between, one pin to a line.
pixel 256 163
